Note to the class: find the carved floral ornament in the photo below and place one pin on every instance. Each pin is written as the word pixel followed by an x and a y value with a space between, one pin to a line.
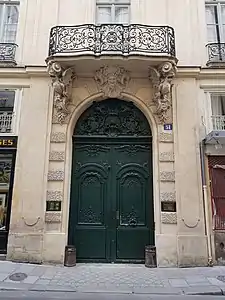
pixel 62 84
pixel 112 80
pixel 161 78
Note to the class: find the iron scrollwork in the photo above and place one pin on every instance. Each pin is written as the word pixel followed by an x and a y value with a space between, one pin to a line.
pixel 130 218
pixel 8 53
pixel 93 150
pixel 216 52
pixel 112 118
pixel 115 38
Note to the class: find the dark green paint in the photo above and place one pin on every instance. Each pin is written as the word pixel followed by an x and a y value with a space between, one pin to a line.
pixel 111 211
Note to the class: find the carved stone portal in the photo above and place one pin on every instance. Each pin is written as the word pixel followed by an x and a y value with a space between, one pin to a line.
pixel 62 84
pixel 112 80
pixel 161 79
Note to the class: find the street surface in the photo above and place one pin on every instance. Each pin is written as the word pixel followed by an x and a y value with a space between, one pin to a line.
pixel 96 296
pixel 95 280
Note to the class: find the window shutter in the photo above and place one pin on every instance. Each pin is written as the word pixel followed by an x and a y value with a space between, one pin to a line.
pixel 211 23
pixel 10 24
pixel 104 14
pixel 121 15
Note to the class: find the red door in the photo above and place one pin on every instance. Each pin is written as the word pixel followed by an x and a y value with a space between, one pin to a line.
pixel 217 177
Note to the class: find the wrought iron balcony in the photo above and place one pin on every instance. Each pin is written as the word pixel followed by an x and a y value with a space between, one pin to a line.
pixel 6 122
pixel 218 122
pixel 7 53
pixel 112 39
pixel 216 53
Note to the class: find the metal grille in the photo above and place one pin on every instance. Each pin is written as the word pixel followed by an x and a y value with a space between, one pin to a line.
pixel 6 121
pixel 216 52
pixel 218 122
pixel 113 39
pixel 8 53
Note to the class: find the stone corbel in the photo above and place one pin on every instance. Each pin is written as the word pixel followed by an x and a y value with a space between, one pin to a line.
pixel 161 78
pixel 62 80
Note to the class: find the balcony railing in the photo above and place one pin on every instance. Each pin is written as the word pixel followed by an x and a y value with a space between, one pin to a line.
pixel 7 53
pixel 6 120
pixel 216 52
pixel 218 122
pixel 112 39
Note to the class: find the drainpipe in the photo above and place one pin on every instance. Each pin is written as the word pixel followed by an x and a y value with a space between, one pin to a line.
pixel 205 201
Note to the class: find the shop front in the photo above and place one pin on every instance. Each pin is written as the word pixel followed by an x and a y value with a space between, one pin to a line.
pixel 8 147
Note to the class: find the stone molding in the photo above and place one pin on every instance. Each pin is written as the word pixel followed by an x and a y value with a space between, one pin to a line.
pixel 161 78
pixel 167 176
pixel 168 196
pixel 62 80
pixel 53 217
pixel 166 156
pixel 112 81
pixel 58 137
pixel 169 217
pixel 56 175
pixel 54 195
pixel 57 156
pixel 165 137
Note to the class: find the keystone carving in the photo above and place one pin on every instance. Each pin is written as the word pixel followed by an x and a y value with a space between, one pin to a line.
pixel 161 79
pixel 62 84
pixel 112 81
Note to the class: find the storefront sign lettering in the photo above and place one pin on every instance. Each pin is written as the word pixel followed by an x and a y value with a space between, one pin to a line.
pixel 8 142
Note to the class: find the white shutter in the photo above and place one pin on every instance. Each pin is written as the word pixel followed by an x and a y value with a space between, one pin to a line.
pixel 216 105
pixel 211 23
pixel 104 14
pixel 10 23
pixel 223 23
pixel 121 14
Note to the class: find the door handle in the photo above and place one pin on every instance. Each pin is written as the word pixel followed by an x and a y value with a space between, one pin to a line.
pixel 117 215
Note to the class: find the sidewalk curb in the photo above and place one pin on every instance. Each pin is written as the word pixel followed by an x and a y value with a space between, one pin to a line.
pixel 212 291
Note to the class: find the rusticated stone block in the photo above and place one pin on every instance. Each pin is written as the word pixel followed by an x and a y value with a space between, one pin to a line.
pixel 56 175
pixel 54 195
pixel 58 137
pixel 169 217
pixel 168 196
pixel 167 176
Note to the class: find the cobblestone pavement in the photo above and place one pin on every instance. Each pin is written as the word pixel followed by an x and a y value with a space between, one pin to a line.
pixel 113 278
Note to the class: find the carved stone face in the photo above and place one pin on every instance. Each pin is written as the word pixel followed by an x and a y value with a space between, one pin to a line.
pixel 112 80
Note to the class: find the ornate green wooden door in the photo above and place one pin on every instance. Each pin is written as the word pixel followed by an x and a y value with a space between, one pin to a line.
pixel 111 210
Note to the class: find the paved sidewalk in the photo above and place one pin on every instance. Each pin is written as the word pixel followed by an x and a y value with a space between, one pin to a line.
pixel 113 278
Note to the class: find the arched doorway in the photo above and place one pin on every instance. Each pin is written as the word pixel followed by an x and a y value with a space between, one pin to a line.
pixel 111 205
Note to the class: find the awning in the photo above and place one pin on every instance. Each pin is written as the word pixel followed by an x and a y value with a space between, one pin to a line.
pixel 215 138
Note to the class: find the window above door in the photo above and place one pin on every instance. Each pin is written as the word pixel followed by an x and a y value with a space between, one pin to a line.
pixel 113 11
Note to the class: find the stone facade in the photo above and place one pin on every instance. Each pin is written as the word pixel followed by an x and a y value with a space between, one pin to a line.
pixel 58 90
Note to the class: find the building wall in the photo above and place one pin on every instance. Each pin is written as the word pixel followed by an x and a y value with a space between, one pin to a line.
pixel 37 18
pixel 43 164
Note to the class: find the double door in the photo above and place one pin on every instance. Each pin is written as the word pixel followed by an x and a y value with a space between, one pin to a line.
pixel 111 210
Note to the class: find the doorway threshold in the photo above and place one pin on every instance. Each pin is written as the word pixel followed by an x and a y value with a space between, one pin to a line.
pixel 2 257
